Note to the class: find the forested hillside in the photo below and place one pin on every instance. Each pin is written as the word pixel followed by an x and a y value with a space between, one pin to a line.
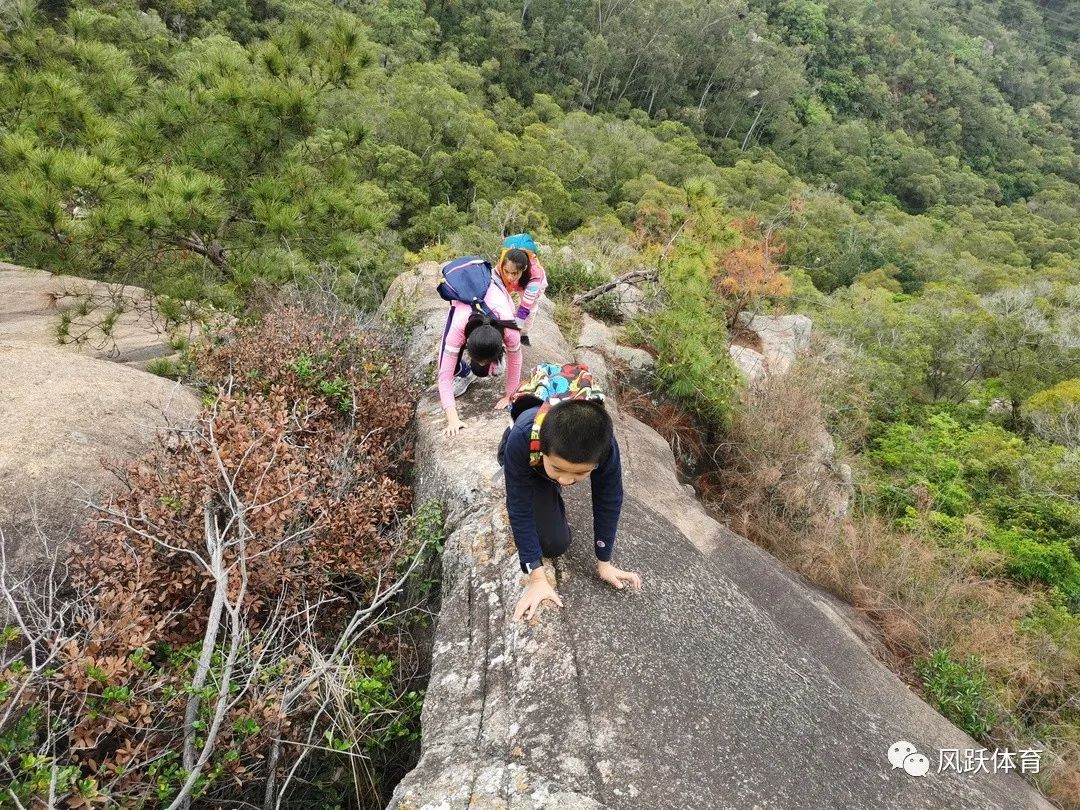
pixel 905 172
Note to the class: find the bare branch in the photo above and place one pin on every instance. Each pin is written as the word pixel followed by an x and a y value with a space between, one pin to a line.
pixel 633 277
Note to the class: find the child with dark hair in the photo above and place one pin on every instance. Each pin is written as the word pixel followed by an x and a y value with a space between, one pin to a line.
pixel 488 343
pixel 561 435
pixel 524 276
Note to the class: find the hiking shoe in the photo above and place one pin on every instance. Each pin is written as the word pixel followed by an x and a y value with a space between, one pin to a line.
pixel 461 384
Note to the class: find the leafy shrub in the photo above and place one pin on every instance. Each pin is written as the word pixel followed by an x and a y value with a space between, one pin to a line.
pixel 1029 560
pixel 605 307
pixel 1045 518
pixel 958 690
pixel 689 336
pixel 1055 413
pixel 567 280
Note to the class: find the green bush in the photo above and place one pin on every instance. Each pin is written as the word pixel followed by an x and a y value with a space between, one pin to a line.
pixel 605 307
pixel 958 690
pixel 566 281
pixel 1052 563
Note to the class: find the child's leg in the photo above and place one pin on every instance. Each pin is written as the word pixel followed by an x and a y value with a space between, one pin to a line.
pixel 527 325
pixel 550 515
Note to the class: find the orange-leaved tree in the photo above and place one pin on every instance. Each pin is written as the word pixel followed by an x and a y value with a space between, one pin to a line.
pixel 751 270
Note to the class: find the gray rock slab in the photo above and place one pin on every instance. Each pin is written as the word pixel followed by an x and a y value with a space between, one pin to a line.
pixel 727 682
pixel 31 302
pixel 782 337
pixel 63 415
pixel 751 363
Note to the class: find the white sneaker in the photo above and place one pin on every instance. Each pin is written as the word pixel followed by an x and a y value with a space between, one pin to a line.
pixel 461 384
pixel 497 369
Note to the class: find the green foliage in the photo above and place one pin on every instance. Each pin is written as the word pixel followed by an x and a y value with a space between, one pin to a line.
pixel 1055 413
pixel 402 315
pixel 958 690
pixel 690 335
pixel 927 458
pixel 605 307
pixel 938 472
pixel 395 715
pixel 194 184
pixel 428 528
pixel 1032 560
pixel 426 538
pixel 567 280
pixel 162 367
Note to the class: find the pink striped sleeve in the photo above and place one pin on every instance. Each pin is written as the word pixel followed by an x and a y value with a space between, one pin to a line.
pixel 533 290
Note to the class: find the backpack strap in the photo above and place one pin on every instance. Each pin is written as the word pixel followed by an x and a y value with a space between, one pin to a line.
pixel 536 458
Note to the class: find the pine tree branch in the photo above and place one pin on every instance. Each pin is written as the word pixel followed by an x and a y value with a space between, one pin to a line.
pixel 214 252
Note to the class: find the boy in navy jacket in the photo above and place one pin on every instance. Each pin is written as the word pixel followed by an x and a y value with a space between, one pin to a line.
pixel 550 446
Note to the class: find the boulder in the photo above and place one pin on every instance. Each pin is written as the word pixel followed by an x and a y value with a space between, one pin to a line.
pixel 600 338
pixel 782 337
pixel 595 334
pixel 752 364
pixel 726 682
pixel 64 414
pixel 32 303
pixel 629 300
pixel 635 359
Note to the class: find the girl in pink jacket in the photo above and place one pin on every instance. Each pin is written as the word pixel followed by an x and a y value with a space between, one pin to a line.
pixel 523 274
pixel 487 345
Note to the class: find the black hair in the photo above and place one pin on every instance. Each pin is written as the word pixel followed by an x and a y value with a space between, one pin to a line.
pixel 484 340
pixel 521 259
pixel 578 430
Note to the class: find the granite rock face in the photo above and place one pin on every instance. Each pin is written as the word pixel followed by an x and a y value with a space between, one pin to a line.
pixel 727 682
pixel 64 414
pixel 106 321
pixel 782 337
pixel 68 408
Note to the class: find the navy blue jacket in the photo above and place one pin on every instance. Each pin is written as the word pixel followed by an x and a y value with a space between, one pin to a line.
pixel 607 493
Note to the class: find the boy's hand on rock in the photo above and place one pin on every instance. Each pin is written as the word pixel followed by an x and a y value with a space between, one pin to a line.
pixel 616 577
pixel 538 592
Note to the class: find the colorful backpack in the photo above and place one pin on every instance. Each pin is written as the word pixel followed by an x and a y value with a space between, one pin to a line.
pixel 548 385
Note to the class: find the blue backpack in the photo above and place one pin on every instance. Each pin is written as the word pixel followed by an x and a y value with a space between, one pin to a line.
pixel 467 280
pixel 521 241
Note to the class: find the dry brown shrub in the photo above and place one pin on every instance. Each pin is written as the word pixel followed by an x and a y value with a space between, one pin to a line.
pixel 214 587
pixel 678 429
